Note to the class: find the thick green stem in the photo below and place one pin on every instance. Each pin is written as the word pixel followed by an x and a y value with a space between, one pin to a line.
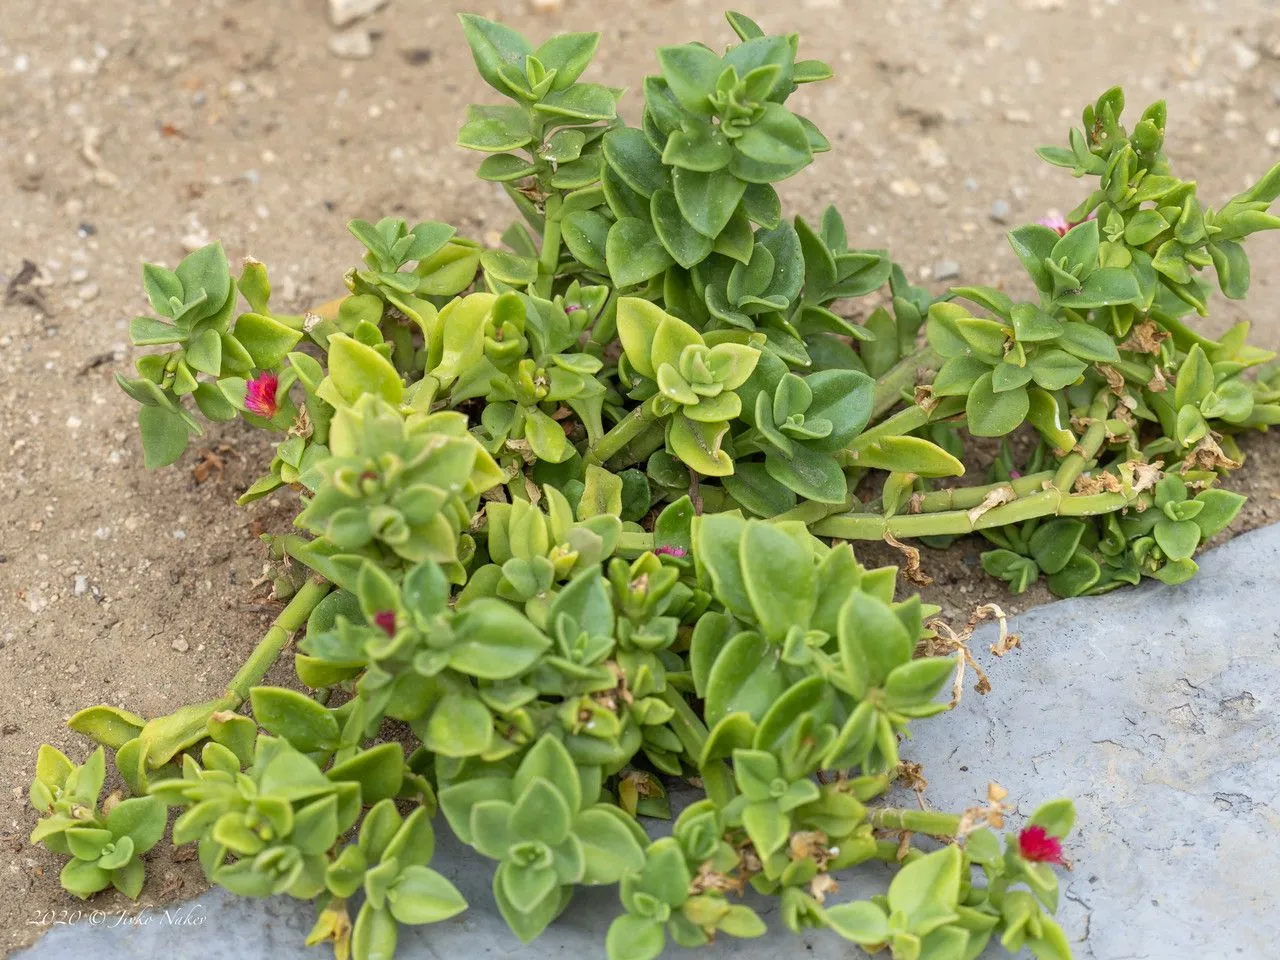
pixel 291 619
pixel 917 821
pixel 623 432
pixel 716 776
pixel 605 327
pixel 900 378
pixel 957 498
pixel 550 258
pixel 1074 464
pixel 1052 502
pixel 640 448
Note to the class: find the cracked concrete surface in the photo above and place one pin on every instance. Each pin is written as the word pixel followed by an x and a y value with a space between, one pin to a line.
pixel 1155 708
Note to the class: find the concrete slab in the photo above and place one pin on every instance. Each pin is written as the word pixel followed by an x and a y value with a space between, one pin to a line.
pixel 1155 708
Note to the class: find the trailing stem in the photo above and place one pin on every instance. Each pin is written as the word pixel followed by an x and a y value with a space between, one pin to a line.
pixel 622 433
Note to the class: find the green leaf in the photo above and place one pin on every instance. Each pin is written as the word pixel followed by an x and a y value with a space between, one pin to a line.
pixel 629 153
pixel 691 71
pixel 698 146
pixel 1054 369
pixel 568 54
pixel 375 932
pixel 1078 249
pixel 1054 543
pixel 205 271
pixel 511 268
pixel 810 473
pixel 164 436
pixel 780 579
pixel 609 848
pixel 1220 508
pixel 203 352
pixel 744 678
pixel 357 369
pixel 1080 573
pixel 752 486
pixel 686 245
pixel 493 46
pixel 1177 538
pixel 1033 243
pixel 129 878
pixel 267 340
pixel 161 287
pixel 873 641
pixel 634 938
pixel 421 895
pixel 634 253
pixel 766 825
pixel 585 233
pixel 909 455
pixel 1088 342
pixel 141 819
pixel 1057 817
pixel 1031 324
pixel 1195 378
pixel 716 541
pixel 776 138
pixel 460 726
pixel 930 884
pixel 83 879
pixel 919 681
pixel 296 717
pixel 379 770
pixel 698 445
pixel 504 168
pixel 861 921
pixel 495 129
pixel 1232 266
pixel 707 200
pixel 494 641
pixel 104 724
pixel 992 414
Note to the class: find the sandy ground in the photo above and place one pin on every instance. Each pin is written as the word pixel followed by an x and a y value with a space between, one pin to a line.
pixel 131 127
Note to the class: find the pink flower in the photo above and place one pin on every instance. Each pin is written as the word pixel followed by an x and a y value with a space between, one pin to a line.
pixel 1035 844
pixel 387 621
pixel 671 551
pixel 1055 223
pixel 260 395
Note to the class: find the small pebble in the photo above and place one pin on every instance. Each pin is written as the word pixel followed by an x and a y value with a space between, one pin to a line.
pixel 342 13
pixel 931 153
pixel 79 275
pixel 1246 56
pixel 180 645
pixel 935 194
pixel 547 6
pixel 904 188
pixel 88 292
pixel 82 585
pixel 946 270
pixel 193 242
pixel 1000 211
pixel 356 44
